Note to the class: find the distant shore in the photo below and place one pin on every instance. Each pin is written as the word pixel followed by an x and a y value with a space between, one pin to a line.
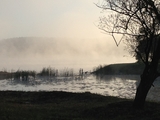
pixel 120 69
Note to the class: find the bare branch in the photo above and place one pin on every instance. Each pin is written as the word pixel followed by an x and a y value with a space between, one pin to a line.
pixel 121 33
pixel 133 19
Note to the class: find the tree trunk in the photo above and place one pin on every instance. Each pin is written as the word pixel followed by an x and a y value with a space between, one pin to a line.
pixel 147 78
pixel 142 92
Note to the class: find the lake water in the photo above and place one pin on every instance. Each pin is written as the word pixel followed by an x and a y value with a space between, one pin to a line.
pixel 123 86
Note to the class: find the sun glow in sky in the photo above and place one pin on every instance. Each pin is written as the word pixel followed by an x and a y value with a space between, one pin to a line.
pixel 72 21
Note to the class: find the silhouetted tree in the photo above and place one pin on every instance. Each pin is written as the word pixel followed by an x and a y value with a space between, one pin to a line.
pixel 139 47
pixel 136 20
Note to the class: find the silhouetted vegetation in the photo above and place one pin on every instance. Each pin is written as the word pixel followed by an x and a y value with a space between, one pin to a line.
pixel 5 75
pixel 18 75
pixel 52 72
pixel 46 72
pixel 24 75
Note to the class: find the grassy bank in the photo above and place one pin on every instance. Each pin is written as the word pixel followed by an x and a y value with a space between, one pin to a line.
pixel 70 106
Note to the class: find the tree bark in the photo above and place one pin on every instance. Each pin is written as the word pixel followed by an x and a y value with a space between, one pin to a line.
pixel 147 78
pixel 142 91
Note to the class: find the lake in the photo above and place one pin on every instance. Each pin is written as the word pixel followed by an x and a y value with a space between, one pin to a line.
pixel 123 86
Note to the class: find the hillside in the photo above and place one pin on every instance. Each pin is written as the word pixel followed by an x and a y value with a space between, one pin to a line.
pixel 124 68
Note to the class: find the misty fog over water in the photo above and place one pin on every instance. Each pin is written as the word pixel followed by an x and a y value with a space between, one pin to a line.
pixel 34 53
pixel 60 34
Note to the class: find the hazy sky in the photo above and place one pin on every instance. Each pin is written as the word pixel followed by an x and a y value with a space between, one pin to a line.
pixel 72 21
pixel 49 18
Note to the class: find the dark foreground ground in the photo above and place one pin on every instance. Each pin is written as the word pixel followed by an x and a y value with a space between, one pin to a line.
pixel 71 106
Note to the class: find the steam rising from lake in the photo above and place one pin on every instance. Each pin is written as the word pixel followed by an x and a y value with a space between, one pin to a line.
pixel 35 53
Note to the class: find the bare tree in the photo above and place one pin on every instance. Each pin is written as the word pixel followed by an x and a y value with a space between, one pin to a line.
pixel 136 21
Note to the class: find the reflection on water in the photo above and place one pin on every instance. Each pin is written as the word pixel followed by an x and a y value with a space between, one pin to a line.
pixel 123 86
